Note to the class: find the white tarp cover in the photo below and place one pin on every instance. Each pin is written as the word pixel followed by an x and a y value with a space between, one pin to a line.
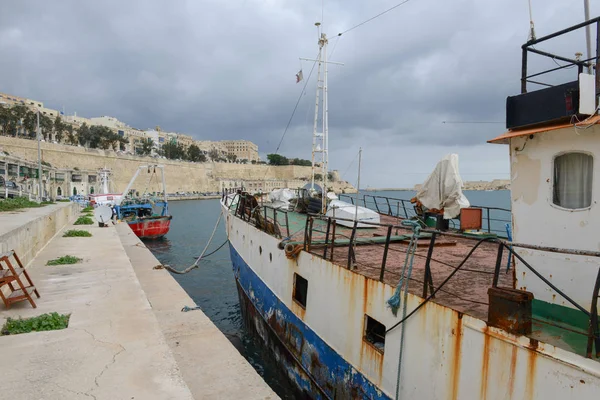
pixel 443 188
pixel 341 209
pixel 281 197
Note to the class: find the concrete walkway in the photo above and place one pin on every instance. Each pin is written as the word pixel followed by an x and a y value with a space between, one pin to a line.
pixel 212 367
pixel 114 347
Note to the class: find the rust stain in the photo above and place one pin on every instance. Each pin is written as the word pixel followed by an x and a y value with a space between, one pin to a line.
pixel 531 367
pixel 298 310
pixel 512 371
pixel 486 362
pixel 457 353
pixel 373 358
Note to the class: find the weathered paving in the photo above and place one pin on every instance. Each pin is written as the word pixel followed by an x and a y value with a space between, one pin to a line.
pixel 125 340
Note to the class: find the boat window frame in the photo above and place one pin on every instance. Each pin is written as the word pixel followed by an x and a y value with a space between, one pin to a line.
pixel 374 323
pixel 552 181
pixel 295 297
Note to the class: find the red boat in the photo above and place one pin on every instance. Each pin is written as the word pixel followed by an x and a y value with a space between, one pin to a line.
pixel 147 217
pixel 151 227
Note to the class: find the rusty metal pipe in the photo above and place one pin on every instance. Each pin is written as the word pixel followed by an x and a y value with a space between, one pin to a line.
pixel 428 277
pixel 326 238
pixel 385 253
pixel 332 241
pixel 350 245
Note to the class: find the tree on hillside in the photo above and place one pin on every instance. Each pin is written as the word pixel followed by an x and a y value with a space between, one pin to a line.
pixel 60 128
pixel 173 151
pixel 30 124
pixel 147 146
pixel 84 135
pixel 71 137
pixel 195 154
pixel 47 126
pixel 213 154
pixel 231 157
pixel 299 161
pixel 7 121
pixel 276 159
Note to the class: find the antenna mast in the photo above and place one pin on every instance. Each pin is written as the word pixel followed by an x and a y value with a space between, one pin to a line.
pixel 320 144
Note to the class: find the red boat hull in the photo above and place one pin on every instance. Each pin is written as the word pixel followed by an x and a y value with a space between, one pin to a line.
pixel 151 227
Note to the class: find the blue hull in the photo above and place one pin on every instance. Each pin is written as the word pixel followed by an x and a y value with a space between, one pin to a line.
pixel 316 369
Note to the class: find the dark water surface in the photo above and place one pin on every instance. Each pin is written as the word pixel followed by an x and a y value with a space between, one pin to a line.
pixel 212 286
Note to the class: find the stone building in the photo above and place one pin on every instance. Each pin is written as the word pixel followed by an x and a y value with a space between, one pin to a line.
pixel 242 149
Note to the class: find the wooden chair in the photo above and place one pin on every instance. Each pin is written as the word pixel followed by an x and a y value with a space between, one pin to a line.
pixel 11 277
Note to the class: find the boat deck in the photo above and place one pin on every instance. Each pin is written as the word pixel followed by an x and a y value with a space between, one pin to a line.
pixel 466 291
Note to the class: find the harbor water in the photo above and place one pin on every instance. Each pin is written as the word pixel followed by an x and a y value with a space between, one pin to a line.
pixel 212 285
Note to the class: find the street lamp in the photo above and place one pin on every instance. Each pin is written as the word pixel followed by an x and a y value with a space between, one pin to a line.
pixel 38 134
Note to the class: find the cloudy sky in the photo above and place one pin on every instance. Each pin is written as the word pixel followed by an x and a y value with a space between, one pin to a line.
pixel 219 69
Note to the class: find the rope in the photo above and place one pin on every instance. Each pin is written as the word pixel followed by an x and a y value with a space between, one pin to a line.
pixel 195 264
pixel 394 301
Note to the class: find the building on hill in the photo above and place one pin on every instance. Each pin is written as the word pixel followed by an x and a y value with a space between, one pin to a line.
pixel 242 149
pixel 226 149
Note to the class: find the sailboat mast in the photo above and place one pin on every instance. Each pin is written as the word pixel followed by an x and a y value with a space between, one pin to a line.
pixel 315 124
pixel 358 183
pixel 325 128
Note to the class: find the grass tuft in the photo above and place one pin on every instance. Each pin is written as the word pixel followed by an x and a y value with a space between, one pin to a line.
pixel 64 200
pixel 77 233
pixel 18 203
pixel 87 209
pixel 64 260
pixel 44 322
pixel 84 221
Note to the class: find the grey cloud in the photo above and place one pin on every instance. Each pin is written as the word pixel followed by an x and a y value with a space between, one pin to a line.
pixel 220 70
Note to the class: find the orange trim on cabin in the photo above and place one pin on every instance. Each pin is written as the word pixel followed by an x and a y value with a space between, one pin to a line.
pixel 503 139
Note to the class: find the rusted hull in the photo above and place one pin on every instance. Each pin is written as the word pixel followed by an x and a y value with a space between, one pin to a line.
pixel 316 369
pixel 152 228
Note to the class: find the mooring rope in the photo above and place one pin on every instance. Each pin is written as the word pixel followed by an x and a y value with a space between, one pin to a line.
pixel 394 301
pixel 195 264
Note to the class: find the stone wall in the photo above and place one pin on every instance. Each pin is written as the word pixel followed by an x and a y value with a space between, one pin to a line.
pixel 33 228
pixel 180 176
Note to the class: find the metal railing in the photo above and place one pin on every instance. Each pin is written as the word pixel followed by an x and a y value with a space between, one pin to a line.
pixel 494 219
pixel 429 289
pixel 273 221
pixel 591 62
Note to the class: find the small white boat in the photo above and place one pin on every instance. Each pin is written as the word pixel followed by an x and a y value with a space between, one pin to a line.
pixel 351 212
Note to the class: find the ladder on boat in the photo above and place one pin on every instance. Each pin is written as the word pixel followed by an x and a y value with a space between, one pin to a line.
pixel 11 276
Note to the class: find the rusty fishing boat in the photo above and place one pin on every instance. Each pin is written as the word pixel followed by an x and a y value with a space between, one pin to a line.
pixel 429 305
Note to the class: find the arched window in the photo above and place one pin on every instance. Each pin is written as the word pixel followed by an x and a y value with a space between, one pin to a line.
pixel 572 185
pixel 74 191
pixel 91 190
pixel 58 191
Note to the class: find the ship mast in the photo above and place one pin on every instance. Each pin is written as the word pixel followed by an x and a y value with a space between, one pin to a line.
pixel 320 143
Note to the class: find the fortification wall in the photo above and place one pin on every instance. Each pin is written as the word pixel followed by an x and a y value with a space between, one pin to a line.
pixel 180 176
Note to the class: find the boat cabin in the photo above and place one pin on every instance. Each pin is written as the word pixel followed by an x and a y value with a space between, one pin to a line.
pixel 553 141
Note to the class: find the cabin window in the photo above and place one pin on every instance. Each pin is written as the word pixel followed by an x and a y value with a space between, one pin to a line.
pixel 300 290
pixel 572 187
pixel 374 333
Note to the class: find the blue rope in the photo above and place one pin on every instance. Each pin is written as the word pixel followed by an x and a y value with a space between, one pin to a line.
pixel 394 301
pixel 509 236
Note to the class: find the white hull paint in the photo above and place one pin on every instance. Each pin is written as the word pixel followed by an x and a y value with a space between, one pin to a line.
pixel 447 355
